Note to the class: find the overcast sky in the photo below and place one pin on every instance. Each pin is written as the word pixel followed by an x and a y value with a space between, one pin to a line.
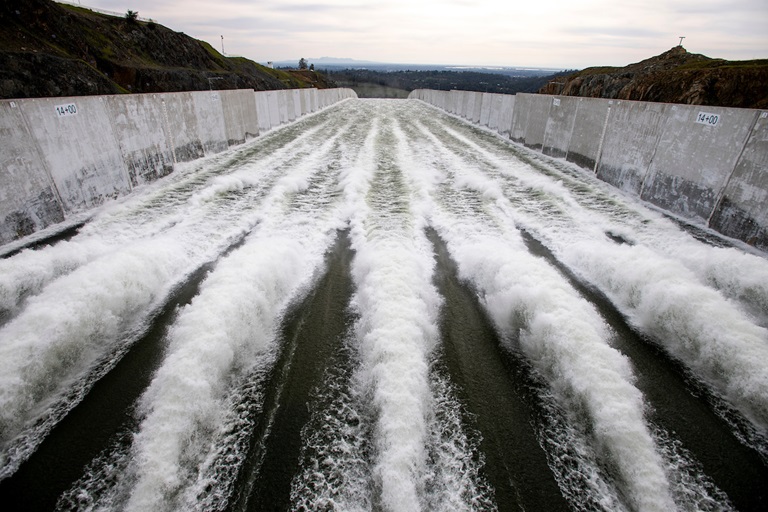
pixel 550 33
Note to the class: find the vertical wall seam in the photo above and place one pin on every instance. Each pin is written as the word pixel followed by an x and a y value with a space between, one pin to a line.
pixel 727 180
pixel 168 131
pixel 655 149
pixel 602 138
pixel 546 124
pixel 573 128
pixel 546 128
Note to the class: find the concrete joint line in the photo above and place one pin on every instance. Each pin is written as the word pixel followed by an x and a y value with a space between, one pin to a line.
pixel 602 139
pixel 663 130
pixel 168 131
pixel 727 181
pixel 544 139
pixel 573 128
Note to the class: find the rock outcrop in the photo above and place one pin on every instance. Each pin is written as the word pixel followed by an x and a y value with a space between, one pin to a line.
pixel 675 76
pixel 50 49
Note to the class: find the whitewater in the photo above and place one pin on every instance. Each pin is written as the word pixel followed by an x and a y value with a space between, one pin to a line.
pixel 382 307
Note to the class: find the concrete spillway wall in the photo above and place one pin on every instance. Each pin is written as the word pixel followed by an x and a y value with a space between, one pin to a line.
pixel 65 155
pixel 706 164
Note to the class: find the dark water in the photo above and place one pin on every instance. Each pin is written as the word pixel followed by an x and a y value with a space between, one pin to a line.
pixel 681 406
pixel 104 419
pixel 312 334
pixel 496 387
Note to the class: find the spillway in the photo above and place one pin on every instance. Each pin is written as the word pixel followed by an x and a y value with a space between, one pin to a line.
pixel 382 307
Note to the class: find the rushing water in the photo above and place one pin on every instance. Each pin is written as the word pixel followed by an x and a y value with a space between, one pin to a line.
pixel 380 307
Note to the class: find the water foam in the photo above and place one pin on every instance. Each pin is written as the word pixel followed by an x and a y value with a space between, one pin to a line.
pixel 335 471
pixel 189 409
pixel 566 341
pixel 558 331
pixel 455 479
pixel 71 325
pixel 397 306
pixel 228 330
pixel 693 322
pixel 715 337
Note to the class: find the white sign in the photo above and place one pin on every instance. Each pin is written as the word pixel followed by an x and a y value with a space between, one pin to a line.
pixel 67 110
pixel 556 102
pixel 707 118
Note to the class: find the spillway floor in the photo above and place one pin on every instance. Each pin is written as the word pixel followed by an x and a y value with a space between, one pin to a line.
pixel 382 307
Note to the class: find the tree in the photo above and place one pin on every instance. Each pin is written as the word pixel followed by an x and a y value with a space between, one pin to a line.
pixel 302 63
pixel 131 16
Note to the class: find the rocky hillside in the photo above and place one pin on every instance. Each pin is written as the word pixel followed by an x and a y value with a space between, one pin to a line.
pixel 51 49
pixel 675 76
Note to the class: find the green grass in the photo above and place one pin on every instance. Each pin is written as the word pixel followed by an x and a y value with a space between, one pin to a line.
pixel 604 70
pixel 725 64
pixel 287 78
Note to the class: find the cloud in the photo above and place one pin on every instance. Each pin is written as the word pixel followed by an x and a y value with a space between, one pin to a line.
pixel 555 33
pixel 620 32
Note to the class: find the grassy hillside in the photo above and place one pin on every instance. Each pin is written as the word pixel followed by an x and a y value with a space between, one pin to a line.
pixel 50 49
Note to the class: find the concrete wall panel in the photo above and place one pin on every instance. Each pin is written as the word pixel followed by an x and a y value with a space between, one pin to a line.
pixel 694 157
pixel 262 109
pixel 282 106
pixel 274 108
pixel 452 101
pixel 454 98
pixel 304 100
pixel 495 111
pixel 208 116
pixel 485 109
pixel 240 115
pixel 506 115
pixel 78 149
pixel 138 122
pixel 630 140
pixel 296 103
pixel 28 198
pixel 559 126
pixel 742 212
pixel 180 127
pixel 290 102
pixel 443 99
pixel 587 132
pixel 520 118
pixel 530 119
pixel 467 102
pixel 477 108
pixel 461 103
